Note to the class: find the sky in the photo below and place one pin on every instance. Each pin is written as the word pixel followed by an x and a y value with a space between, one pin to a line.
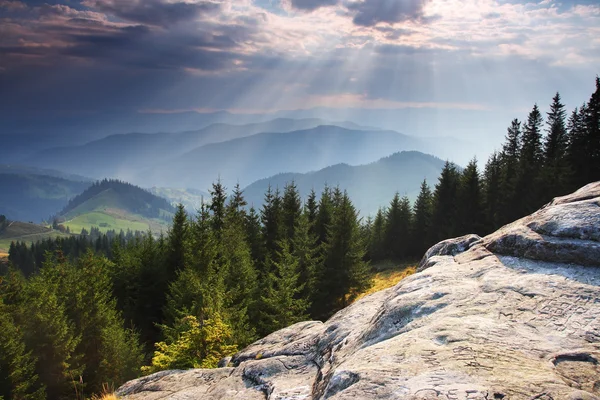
pixel 81 61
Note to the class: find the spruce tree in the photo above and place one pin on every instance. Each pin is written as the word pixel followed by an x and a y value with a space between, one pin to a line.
pixel 445 203
pixel 577 153
pixel 282 305
pixel 398 227
pixel 240 277
pixel 422 211
pixel 177 242
pixel 18 380
pixel 253 233
pixel 555 169
pixel 291 211
pixel 50 335
pixel 306 252
pixel 311 210
pixel 272 225
pixel 217 206
pixel 492 194
pixel 325 215
pixel 237 202
pixel 530 164
pixel 470 215
pixel 508 161
pixel 377 239
pixel 592 127
pixel 344 274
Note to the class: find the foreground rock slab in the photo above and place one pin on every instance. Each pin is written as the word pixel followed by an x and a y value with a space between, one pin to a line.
pixel 514 315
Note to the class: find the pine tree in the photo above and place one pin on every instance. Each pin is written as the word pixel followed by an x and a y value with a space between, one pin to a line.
pixel 345 274
pixel 397 227
pixel 217 206
pixel 470 215
pixel 291 211
pixel 508 163
pixel 592 127
pixel 445 199
pixel 240 277
pixel 311 210
pixel 377 239
pixel 530 164
pixel 493 207
pixel 577 153
pixel 282 305
pixel 253 233
pixel 50 335
pixel 271 218
pixel 423 209
pixel 555 169
pixel 18 379
pixel 306 252
pixel 111 353
pixel 177 242
pixel 325 215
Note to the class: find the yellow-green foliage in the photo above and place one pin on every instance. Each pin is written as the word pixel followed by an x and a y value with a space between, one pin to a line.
pixel 199 345
pixel 388 278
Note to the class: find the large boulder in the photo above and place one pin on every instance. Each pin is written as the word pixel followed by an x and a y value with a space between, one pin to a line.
pixel 514 315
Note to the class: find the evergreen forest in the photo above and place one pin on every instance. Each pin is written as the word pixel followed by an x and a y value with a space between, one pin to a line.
pixel 83 313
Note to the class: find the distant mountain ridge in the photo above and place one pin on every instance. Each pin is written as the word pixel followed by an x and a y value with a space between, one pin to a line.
pixel 248 159
pixel 370 186
pixel 29 196
pixel 122 155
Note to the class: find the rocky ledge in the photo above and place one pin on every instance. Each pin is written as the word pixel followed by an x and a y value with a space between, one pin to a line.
pixel 513 315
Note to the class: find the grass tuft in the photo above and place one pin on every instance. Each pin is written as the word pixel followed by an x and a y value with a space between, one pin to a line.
pixel 388 275
pixel 107 394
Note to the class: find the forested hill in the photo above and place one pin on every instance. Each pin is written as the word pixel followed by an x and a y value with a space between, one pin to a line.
pixel 119 195
pixel 370 186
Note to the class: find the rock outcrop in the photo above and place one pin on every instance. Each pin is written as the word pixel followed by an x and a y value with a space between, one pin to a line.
pixel 514 315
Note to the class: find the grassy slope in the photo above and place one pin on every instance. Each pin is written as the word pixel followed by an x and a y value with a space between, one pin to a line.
pixel 388 274
pixel 105 211
pixel 25 232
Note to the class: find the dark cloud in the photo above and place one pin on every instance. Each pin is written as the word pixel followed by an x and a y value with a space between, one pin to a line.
pixel 153 12
pixel 310 5
pixel 371 12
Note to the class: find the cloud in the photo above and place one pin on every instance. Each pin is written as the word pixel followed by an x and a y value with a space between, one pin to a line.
pixel 310 5
pixel 13 5
pixel 154 12
pixel 371 12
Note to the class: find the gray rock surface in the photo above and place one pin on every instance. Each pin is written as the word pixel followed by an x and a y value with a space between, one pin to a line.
pixel 514 315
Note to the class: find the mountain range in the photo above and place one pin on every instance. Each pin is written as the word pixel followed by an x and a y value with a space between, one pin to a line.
pixel 124 155
pixel 27 194
pixel 248 159
pixel 370 186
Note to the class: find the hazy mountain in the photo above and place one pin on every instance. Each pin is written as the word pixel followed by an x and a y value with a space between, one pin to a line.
pixel 248 159
pixel 28 170
pixel 124 155
pixel 191 199
pixel 370 186
pixel 27 196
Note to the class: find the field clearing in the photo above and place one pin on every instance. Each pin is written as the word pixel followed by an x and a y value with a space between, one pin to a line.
pixel 104 222
pixel 388 275
pixel 35 237
pixel 113 220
